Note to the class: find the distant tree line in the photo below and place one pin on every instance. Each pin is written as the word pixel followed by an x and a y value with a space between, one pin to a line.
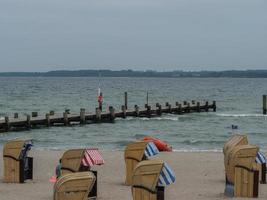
pixel 132 73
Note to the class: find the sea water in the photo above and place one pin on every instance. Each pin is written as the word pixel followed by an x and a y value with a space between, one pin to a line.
pixel 239 102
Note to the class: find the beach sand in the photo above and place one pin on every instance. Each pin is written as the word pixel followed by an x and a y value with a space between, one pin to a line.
pixel 198 176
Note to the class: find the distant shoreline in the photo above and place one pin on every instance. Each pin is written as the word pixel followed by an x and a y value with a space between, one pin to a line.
pixel 144 74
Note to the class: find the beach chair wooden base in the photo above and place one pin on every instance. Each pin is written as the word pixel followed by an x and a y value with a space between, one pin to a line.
pixel 14 170
pixel 140 193
pixel 246 182
pixel 143 194
pixel 11 170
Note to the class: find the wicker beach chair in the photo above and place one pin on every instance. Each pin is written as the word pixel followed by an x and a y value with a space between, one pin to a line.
pixel 149 179
pixel 74 186
pixel 239 139
pixel 242 173
pixel 18 167
pixel 135 153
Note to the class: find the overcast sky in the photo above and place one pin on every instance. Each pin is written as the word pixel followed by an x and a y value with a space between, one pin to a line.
pixel 42 35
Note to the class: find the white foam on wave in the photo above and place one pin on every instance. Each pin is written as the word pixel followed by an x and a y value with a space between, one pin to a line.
pixel 196 150
pixel 2 118
pixel 152 118
pixel 240 115
pixel 167 118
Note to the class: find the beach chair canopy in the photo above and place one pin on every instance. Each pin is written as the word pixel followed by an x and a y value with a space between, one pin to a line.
pixel 166 176
pixel 260 158
pixel 151 150
pixel 74 186
pixel 17 149
pixel 244 156
pixel 140 150
pixel 92 157
pixel 149 174
pixel 235 140
pixel 73 159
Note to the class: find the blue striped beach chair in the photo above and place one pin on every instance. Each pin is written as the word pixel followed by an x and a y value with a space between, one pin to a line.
pixel 135 153
pixel 150 178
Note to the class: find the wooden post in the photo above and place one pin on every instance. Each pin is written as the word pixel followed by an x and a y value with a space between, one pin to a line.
pixel 66 119
pixel 51 112
pixel 193 102
pixel 198 107
pixel 47 117
pixel 176 105
pixel 136 108
pixel 16 115
pixel 188 109
pixel 264 102
pixel 185 103
pixel 159 111
pixel 112 113
pixel 126 100
pixel 7 125
pixel 148 111
pixel 28 122
pixel 34 114
pixel 98 114
pixel 82 116
pixel 207 106
pixel 169 106
pixel 214 106
pixel 179 111
pixel 123 108
pixel 146 105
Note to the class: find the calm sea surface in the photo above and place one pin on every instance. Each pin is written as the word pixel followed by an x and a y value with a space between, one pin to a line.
pixel 239 101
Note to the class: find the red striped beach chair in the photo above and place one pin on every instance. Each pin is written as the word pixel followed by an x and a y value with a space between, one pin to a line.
pixel 80 160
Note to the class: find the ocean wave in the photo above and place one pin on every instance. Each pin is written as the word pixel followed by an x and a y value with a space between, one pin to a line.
pixel 197 150
pixel 240 115
pixel 200 142
pixel 139 135
pixel 150 119
pixel 167 118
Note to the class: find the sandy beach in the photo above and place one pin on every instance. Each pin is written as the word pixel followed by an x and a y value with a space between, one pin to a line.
pixel 198 176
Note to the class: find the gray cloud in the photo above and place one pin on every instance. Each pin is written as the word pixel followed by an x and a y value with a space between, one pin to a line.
pixel 43 35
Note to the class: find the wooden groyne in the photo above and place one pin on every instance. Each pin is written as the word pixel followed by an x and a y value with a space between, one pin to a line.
pixel 16 123
pixel 264 104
